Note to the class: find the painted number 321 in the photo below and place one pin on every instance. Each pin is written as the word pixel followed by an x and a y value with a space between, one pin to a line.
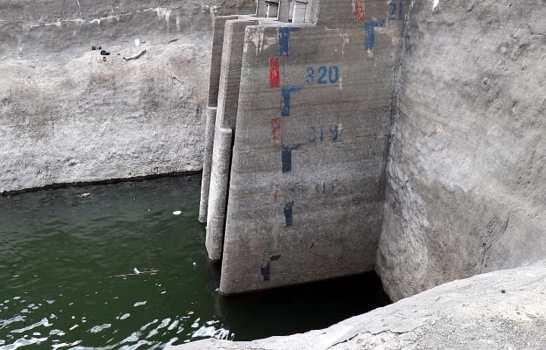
pixel 322 75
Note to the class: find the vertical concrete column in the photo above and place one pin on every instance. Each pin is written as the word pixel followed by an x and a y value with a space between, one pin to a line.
pixel 214 82
pixel 207 163
pixel 218 192
pixel 228 97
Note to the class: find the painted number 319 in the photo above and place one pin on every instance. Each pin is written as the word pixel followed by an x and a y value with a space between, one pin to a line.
pixel 322 75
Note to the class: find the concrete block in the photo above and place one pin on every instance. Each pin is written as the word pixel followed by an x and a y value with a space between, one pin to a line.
pixel 306 190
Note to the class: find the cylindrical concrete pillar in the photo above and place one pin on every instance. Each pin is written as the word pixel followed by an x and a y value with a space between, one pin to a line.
pixel 219 182
pixel 207 163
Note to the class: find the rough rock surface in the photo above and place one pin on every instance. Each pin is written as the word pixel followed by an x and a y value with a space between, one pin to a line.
pixel 71 114
pixel 498 310
pixel 467 173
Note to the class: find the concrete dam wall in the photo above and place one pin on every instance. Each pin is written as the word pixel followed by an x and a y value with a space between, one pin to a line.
pixel 466 175
pixel 465 188
pixel 336 154
pixel 132 108
pixel 465 185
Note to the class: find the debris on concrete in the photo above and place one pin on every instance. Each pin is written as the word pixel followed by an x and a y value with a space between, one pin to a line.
pixel 135 57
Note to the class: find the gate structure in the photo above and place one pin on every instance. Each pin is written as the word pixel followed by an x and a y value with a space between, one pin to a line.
pixel 298 120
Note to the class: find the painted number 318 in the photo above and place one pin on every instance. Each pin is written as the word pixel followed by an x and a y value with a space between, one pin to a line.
pixel 322 75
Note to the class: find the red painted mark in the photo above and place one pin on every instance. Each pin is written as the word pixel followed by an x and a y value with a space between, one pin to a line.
pixel 359 11
pixel 276 131
pixel 274 72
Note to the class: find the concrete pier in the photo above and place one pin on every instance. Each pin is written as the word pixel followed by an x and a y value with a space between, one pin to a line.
pixel 214 83
pixel 299 196
pixel 228 95
pixel 207 163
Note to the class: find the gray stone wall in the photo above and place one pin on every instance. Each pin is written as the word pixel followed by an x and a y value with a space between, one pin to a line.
pixel 70 114
pixel 467 179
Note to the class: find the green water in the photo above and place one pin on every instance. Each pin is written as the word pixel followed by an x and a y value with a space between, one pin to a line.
pixel 111 266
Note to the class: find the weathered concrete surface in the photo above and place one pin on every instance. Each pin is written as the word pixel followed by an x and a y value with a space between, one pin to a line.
pixel 219 183
pixel 467 173
pixel 498 310
pixel 210 125
pixel 307 177
pixel 66 115
pixel 228 97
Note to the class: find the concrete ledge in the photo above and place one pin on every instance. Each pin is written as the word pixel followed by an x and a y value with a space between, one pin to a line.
pixel 498 310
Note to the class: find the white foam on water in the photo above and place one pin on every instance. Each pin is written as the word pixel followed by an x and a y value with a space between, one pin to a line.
pixel 100 328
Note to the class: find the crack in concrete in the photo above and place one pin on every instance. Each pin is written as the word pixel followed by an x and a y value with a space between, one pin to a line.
pixel 493 241
pixel 399 333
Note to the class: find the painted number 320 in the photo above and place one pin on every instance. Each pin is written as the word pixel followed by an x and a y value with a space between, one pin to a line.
pixel 322 75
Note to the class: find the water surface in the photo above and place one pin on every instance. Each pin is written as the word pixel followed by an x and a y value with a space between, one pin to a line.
pixel 123 266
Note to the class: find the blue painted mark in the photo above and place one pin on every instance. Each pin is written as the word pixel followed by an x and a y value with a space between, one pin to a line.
pixel 287 92
pixel 286 156
pixel 323 73
pixel 284 40
pixel 326 75
pixel 321 134
pixel 369 29
pixel 392 10
pixel 393 5
pixel 335 131
pixel 325 188
pixel 288 213
pixel 266 271
pixel 310 75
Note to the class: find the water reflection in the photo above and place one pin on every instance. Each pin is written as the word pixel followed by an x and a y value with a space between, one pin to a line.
pixel 123 266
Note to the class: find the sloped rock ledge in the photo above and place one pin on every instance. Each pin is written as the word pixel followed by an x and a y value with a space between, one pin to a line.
pixel 500 310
